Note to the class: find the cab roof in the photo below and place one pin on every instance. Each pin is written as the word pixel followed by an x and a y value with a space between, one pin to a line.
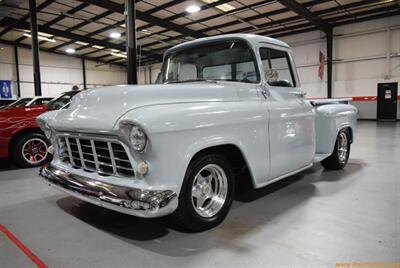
pixel 253 39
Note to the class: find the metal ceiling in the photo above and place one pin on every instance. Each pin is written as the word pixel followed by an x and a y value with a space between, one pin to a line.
pixel 85 25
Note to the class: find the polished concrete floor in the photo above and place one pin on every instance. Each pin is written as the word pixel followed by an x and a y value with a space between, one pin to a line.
pixel 315 219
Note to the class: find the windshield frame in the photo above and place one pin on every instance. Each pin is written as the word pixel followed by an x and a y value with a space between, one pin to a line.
pixel 49 104
pixel 179 49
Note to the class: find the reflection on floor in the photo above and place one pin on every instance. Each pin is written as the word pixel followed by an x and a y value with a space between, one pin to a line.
pixel 316 218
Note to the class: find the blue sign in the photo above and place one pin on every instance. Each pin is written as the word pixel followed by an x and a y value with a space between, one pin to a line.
pixel 5 89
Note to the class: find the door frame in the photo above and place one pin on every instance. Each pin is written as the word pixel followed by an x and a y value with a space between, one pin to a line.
pixel 378 105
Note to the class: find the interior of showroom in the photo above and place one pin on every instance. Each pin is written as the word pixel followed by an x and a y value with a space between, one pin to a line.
pixel 339 53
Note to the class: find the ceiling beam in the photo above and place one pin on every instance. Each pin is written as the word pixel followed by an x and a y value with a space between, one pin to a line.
pixel 25 17
pixel 119 8
pixel 334 21
pixel 26 26
pixel 59 18
pixel 12 43
pixel 305 13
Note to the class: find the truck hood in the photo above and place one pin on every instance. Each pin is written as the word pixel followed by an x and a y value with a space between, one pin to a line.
pixel 99 109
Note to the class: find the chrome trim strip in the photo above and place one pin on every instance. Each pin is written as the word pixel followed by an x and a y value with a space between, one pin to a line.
pixel 69 151
pixel 133 201
pixel 78 144
pixel 110 150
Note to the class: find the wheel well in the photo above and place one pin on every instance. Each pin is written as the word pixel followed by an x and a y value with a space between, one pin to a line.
pixel 351 134
pixel 22 132
pixel 235 156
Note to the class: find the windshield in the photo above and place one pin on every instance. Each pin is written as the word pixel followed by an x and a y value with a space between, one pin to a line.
pixel 225 60
pixel 41 101
pixel 62 102
pixel 20 102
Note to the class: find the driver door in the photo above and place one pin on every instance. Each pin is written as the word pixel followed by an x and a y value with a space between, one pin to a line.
pixel 291 122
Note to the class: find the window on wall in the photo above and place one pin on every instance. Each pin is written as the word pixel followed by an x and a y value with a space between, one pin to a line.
pixel 276 65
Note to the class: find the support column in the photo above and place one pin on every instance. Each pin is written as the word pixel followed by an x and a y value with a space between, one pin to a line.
pixel 150 73
pixel 130 17
pixel 35 48
pixel 84 73
pixel 329 52
pixel 17 71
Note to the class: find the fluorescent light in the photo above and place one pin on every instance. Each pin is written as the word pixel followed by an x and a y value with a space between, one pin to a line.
pixel 97 47
pixel 81 43
pixel 70 50
pixel 225 7
pixel 145 31
pixel 41 38
pixel 210 1
pixel 115 50
pixel 193 9
pixel 118 55
pixel 115 35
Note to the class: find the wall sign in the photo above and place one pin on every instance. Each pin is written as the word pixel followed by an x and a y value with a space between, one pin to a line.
pixel 5 89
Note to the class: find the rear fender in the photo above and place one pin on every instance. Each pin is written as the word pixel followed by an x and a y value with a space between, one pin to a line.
pixel 329 120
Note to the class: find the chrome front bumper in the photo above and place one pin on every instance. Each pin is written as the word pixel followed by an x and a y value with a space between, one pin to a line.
pixel 132 201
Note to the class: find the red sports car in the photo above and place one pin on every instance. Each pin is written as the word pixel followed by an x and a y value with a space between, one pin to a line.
pixel 20 136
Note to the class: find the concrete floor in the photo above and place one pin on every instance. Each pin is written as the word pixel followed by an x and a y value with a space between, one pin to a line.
pixel 317 218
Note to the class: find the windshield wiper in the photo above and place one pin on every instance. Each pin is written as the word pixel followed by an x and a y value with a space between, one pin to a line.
pixel 190 80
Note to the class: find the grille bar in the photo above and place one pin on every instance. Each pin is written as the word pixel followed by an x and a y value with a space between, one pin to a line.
pixel 106 157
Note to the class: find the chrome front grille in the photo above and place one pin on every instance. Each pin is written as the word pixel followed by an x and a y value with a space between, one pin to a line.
pixel 103 156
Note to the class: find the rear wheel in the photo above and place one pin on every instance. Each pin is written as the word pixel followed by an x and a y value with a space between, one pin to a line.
pixel 30 150
pixel 338 159
pixel 206 194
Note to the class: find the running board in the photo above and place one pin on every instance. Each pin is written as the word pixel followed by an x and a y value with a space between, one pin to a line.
pixel 284 176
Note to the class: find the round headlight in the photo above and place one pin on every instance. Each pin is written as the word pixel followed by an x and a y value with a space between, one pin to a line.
pixel 47 131
pixel 137 138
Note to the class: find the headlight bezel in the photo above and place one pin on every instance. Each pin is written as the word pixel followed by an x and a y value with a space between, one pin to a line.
pixel 138 146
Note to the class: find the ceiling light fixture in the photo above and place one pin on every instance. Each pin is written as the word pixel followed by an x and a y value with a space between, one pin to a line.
pixel 145 31
pixel 225 7
pixel 193 9
pixel 81 43
pixel 70 50
pixel 118 55
pixel 115 35
pixel 97 47
pixel 41 38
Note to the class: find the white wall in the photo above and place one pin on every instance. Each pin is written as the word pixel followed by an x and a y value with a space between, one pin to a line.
pixel 359 52
pixel 58 72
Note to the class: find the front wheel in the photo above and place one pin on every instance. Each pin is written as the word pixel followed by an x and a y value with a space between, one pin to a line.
pixel 206 194
pixel 338 159
pixel 30 150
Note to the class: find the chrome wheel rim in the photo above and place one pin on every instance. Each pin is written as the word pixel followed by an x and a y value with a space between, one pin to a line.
pixel 34 151
pixel 342 147
pixel 209 190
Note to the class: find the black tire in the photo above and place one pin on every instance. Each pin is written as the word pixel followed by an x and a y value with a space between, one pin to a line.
pixel 185 216
pixel 16 150
pixel 334 161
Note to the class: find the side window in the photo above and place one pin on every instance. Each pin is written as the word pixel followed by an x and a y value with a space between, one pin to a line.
pixel 276 65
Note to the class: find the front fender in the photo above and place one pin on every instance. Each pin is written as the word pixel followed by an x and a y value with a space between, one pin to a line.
pixel 177 132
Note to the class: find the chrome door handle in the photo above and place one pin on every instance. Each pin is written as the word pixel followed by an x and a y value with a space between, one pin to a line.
pixel 298 93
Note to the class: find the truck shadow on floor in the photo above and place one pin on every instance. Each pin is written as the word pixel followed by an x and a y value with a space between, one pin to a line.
pixel 250 210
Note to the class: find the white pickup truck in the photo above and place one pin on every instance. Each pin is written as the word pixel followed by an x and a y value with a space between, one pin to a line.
pixel 224 104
